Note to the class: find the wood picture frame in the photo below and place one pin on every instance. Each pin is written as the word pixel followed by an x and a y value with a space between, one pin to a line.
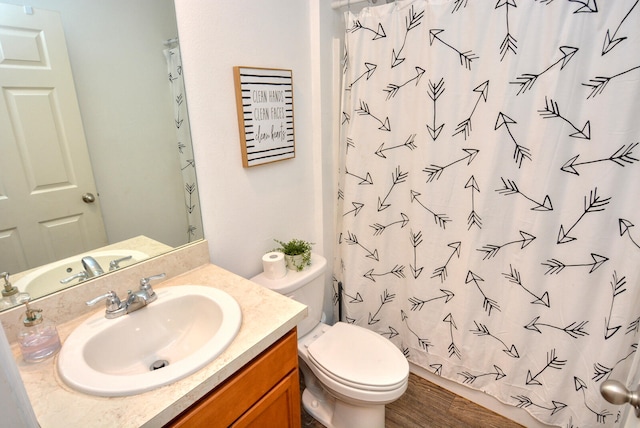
pixel 264 101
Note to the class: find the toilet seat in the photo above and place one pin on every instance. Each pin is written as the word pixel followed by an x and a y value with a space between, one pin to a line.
pixel 359 358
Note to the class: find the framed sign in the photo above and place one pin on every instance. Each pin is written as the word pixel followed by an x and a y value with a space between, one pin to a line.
pixel 264 98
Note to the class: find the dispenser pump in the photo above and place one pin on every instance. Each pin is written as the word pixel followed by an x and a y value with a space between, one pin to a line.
pixel 9 289
pixel 31 316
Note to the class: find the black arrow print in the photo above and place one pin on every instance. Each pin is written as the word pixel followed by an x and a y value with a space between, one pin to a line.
pixel 624 226
pixel 491 250
pixel 556 266
pixel 581 386
pixel 377 34
pixel 392 88
pixel 352 299
pixel 411 21
pixel 465 57
pixel 190 188
pixel 514 278
pixel 610 41
pixel 416 239
pixel 520 153
pixel 588 6
pixel 457 4
pixel 553 362
pixel 435 171
pixel 574 330
pixel 474 219
pixel 357 206
pixel 601 372
pixel 364 111
pixel 483 330
pixel 594 205
pixel 434 92
pixel 527 80
pixel 422 342
pixel 621 157
pixel 464 127
pixel 397 177
pixel 524 402
pixel 437 369
pixel 551 110
pixel 470 378
pixel 634 326
pixel 487 303
pixel 346 118
pixel 371 68
pixel 408 144
pixel 442 270
pixel 353 240
pixel 418 304
pixel 391 333
pixel 598 83
pixel 385 298
pixel 509 42
pixel 397 271
pixel 617 288
pixel 440 219
pixel 453 349
pixel 379 228
pixel 366 180
pixel 511 188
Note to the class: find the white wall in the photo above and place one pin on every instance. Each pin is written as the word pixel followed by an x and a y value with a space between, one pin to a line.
pixel 244 209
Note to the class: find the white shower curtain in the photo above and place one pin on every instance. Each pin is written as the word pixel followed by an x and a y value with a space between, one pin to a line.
pixel 183 143
pixel 488 189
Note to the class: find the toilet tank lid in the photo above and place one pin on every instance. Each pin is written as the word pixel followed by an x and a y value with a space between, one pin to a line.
pixel 293 279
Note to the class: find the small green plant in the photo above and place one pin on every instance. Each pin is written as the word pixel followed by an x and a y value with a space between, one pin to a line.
pixel 296 247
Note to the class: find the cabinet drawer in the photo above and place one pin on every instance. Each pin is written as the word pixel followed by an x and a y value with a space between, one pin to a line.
pixel 222 406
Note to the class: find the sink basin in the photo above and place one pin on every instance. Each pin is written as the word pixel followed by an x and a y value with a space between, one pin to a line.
pixel 187 327
pixel 46 279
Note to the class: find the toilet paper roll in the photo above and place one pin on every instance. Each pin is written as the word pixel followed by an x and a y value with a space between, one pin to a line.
pixel 273 265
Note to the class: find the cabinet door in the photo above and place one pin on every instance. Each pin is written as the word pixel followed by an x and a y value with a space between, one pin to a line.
pixel 280 408
pixel 266 389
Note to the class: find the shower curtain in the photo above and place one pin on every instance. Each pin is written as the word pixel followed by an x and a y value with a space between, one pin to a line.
pixel 183 143
pixel 488 189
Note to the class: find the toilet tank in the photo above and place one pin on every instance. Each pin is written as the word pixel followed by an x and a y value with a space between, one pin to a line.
pixel 306 287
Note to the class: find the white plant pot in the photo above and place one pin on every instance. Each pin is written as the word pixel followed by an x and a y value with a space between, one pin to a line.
pixel 295 263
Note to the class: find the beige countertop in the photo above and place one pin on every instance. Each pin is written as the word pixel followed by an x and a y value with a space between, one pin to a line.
pixel 266 316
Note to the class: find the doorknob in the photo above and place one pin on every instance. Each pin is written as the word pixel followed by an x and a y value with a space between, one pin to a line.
pixel 88 198
pixel 616 393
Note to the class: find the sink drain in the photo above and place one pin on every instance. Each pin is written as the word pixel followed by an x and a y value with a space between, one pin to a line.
pixel 158 365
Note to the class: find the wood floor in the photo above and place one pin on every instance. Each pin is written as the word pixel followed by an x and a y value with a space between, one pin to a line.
pixel 427 405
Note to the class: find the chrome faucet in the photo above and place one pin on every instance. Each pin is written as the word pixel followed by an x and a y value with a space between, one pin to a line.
pixel 91 267
pixel 134 301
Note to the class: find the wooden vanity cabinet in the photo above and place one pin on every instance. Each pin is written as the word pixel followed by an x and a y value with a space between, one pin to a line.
pixel 265 393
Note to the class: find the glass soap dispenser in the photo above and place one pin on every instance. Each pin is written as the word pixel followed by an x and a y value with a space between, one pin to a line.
pixel 10 295
pixel 38 338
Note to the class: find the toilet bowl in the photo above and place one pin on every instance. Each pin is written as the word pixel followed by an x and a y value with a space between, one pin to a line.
pixel 350 372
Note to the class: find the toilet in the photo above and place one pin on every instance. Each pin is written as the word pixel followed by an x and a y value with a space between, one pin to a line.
pixel 350 372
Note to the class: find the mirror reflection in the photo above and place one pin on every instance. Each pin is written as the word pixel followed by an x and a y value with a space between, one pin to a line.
pixel 97 169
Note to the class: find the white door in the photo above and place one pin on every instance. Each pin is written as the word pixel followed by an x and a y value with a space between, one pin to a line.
pixel 44 163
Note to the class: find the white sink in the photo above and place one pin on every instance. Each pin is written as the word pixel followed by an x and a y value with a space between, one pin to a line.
pixel 188 326
pixel 46 279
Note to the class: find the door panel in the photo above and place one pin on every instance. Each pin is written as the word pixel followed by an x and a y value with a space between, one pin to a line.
pixel 45 166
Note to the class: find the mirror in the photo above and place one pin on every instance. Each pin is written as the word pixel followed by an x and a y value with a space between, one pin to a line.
pixel 136 131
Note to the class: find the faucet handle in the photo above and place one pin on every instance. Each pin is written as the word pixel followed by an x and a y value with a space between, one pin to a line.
pixel 145 282
pixel 112 301
pixel 115 264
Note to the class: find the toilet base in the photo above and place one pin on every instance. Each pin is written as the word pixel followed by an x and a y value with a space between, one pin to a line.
pixel 334 413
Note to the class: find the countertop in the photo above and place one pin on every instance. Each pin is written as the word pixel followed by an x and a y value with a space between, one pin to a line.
pixel 266 316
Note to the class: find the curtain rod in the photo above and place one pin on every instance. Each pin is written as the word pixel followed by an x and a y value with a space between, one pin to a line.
pixel 337 4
